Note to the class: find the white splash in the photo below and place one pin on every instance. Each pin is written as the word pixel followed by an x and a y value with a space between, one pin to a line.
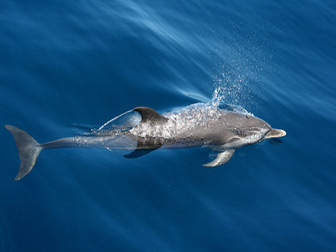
pixel 149 129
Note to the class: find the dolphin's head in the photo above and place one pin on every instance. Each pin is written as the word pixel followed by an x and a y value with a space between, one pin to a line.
pixel 248 129
pixel 265 129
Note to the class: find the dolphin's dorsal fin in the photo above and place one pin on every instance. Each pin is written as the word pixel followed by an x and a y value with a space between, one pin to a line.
pixel 150 115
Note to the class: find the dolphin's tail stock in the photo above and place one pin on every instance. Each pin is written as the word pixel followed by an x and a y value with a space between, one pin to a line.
pixel 29 150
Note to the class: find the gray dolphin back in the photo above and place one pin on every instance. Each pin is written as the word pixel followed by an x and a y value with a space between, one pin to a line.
pixel 29 150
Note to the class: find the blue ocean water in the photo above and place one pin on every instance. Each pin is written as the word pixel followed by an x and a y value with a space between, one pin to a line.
pixel 66 63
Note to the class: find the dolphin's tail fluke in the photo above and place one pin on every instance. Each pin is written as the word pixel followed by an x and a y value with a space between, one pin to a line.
pixel 29 150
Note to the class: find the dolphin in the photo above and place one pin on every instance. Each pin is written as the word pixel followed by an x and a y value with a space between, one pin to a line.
pixel 222 130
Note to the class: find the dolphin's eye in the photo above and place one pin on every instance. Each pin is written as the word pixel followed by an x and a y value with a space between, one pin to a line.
pixel 247 117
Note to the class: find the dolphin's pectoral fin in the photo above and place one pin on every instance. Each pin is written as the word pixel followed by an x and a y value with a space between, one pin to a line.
pixel 222 158
pixel 143 148
pixel 138 153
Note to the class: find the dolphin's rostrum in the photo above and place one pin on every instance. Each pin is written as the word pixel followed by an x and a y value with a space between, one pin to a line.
pixel 197 125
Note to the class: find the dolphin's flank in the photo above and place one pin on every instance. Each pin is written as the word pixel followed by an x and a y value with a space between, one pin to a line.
pixel 221 130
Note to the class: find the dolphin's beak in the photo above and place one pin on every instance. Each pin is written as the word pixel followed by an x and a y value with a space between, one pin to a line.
pixel 275 133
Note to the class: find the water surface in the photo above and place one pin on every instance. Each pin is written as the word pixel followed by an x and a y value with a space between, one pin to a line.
pixel 85 62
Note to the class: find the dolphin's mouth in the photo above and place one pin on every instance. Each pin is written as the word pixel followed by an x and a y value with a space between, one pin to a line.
pixel 275 133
